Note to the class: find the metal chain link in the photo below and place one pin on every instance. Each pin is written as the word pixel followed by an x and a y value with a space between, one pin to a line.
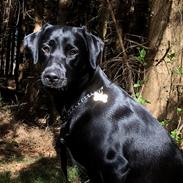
pixel 83 100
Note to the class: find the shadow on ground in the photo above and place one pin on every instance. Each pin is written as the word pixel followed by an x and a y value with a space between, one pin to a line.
pixel 44 170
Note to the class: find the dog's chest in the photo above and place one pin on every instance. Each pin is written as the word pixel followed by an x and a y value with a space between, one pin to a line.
pixel 83 129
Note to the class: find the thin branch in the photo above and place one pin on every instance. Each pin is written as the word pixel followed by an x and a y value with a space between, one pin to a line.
pixel 165 54
pixel 119 34
pixel 138 44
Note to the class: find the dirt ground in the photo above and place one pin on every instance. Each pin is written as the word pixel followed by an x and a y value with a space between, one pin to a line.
pixel 27 153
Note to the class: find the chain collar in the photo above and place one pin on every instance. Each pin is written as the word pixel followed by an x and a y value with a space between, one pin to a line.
pixel 67 113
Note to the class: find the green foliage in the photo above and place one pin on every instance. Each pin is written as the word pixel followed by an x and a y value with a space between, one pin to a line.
pixel 176 135
pixel 44 170
pixel 165 123
pixel 179 110
pixel 138 84
pixel 141 56
pixel 171 56
pixel 73 174
pixel 178 70
pixel 5 177
pixel 139 98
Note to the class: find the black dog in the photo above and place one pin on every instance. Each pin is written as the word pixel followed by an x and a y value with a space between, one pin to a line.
pixel 106 131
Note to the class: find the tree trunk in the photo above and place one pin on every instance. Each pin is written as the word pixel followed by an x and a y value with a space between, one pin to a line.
pixel 164 81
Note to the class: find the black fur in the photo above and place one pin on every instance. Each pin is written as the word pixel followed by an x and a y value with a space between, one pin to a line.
pixel 117 141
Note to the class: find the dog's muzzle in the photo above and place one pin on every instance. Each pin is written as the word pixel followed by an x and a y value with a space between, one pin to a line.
pixel 54 77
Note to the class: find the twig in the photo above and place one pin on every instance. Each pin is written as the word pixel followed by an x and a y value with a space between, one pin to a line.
pixel 15 105
pixel 138 44
pixel 119 34
pixel 163 57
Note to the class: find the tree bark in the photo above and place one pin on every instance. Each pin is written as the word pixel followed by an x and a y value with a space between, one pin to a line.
pixel 164 80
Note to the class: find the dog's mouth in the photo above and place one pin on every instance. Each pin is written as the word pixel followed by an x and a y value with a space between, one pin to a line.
pixel 54 79
pixel 60 84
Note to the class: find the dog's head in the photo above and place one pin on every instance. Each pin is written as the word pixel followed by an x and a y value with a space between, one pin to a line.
pixel 68 55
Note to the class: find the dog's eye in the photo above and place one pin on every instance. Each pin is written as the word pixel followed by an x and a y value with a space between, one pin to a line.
pixel 73 52
pixel 46 49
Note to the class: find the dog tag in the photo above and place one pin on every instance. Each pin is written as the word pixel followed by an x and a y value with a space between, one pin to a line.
pixel 100 96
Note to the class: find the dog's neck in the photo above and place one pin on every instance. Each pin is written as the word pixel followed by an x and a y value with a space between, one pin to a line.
pixel 73 95
pixel 98 80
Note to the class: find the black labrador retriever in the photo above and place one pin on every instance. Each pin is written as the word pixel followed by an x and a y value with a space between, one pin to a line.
pixel 113 137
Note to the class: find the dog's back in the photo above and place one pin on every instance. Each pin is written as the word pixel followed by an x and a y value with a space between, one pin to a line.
pixel 152 155
pixel 122 141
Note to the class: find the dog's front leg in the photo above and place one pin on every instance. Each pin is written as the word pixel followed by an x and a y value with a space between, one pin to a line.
pixel 62 152
pixel 63 159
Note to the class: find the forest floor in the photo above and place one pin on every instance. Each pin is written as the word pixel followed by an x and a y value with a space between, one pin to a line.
pixel 27 153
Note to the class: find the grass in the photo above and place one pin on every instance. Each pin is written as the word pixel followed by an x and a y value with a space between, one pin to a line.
pixel 44 170
pixel 31 170
pixel 40 170
pixel 27 154
pixel 73 174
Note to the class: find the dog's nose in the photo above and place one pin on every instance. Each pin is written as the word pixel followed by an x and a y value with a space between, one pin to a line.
pixel 51 77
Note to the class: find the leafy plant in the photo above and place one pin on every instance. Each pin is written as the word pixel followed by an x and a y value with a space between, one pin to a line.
pixel 178 70
pixel 73 174
pixel 139 98
pixel 5 177
pixel 176 135
pixel 171 56
pixel 141 56
pixel 165 122
pixel 138 84
pixel 179 110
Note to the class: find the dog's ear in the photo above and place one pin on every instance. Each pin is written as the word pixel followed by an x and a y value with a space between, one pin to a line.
pixel 31 42
pixel 95 48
